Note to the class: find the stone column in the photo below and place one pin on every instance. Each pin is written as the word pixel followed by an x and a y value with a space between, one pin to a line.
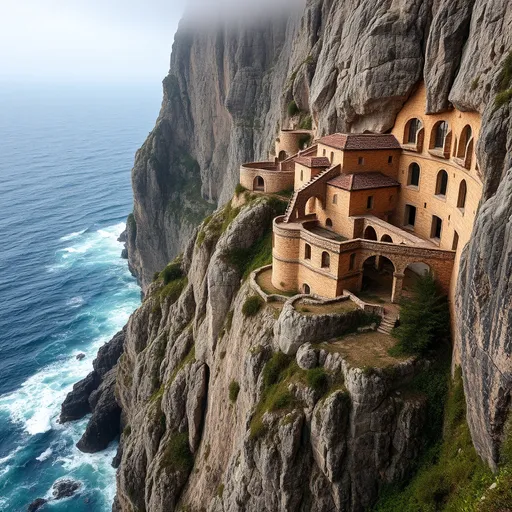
pixel 360 281
pixel 396 293
pixel 378 262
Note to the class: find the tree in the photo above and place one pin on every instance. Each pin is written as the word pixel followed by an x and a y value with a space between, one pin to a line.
pixel 424 318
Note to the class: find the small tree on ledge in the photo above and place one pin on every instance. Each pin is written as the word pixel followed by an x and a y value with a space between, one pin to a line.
pixel 424 318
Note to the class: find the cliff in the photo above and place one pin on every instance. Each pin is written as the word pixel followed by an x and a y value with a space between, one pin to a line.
pixel 216 417
pixel 189 436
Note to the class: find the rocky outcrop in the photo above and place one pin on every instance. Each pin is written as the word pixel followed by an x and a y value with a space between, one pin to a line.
pixel 190 443
pixel 350 67
pixel 95 393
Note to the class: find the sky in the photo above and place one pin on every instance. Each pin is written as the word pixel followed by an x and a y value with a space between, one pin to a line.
pixel 87 40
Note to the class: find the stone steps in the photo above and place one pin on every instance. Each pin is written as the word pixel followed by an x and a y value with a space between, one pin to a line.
pixel 387 323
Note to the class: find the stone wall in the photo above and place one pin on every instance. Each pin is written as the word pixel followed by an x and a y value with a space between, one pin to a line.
pixel 274 179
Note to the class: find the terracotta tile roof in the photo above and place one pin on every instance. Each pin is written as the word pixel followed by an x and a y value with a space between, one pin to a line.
pixel 313 161
pixel 360 141
pixel 363 181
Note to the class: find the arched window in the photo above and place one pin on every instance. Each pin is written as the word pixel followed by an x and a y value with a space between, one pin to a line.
pixel 282 155
pixel 465 142
pixel 306 289
pixel 307 252
pixel 328 223
pixel 441 130
pixel 259 183
pixel 413 178
pixel 455 242
pixel 386 238
pixel 352 262
pixel 326 260
pixel 441 183
pixel 411 131
pixel 463 189
pixel 335 199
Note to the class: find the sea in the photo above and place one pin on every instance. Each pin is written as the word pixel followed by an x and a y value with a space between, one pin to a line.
pixel 66 152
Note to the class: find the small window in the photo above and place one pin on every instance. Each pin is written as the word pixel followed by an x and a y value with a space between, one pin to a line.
pixel 455 242
pixel 326 260
pixel 306 289
pixel 413 127
pixel 461 200
pixel 437 226
pixel 335 199
pixel 352 262
pixel 307 252
pixel 332 157
pixel 369 202
pixel 441 183
pixel 391 197
pixel 301 175
pixel 410 215
pixel 413 177
pixel 390 159
pixel 440 136
pixel 360 160
pixel 323 153
pixel 328 223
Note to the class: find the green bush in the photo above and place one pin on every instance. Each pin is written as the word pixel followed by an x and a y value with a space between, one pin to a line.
pixel 239 189
pixel 306 123
pixel 275 365
pixel 503 98
pixel 317 379
pixel 281 400
pixel 131 224
pixel 424 318
pixel 505 76
pixel 172 291
pixel 156 276
pixel 172 272
pixel 252 305
pixel 200 238
pixel 234 389
pixel 293 109
pixel 177 454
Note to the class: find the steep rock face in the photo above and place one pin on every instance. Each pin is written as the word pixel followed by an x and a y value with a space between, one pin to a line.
pixel 189 443
pixel 350 65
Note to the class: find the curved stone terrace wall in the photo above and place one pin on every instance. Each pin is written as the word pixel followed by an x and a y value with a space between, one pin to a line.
pixel 273 179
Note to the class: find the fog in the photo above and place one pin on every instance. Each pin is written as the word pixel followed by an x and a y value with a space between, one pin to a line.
pixel 105 40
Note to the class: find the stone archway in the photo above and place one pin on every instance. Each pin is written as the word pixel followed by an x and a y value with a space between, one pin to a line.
pixel 377 279
pixel 258 184
pixel 370 233
pixel 386 238
pixel 411 273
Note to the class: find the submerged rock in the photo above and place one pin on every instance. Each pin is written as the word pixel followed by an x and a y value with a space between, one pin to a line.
pixel 80 356
pixel 36 504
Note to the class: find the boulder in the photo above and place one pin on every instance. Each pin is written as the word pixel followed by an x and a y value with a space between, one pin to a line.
pixel 65 488
pixel 307 357
pixel 36 504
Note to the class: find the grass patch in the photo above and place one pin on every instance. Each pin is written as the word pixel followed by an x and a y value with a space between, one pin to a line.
pixel 234 389
pixel 200 238
pixel 172 272
pixel 451 476
pixel 318 379
pixel 131 224
pixel 177 455
pixel 230 215
pixel 306 123
pixel 503 98
pixel 239 189
pixel 172 291
pixel 220 490
pixel 292 108
pixel 474 83
pixel 505 76
pixel 252 305
pixel 287 192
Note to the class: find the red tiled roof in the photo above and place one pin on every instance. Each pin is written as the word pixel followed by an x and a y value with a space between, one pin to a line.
pixel 360 141
pixel 313 161
pixel 363 181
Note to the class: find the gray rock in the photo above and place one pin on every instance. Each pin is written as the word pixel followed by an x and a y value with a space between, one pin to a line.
pixel 307 357
pixel 36 504
pixel 80 356
pixel 65 488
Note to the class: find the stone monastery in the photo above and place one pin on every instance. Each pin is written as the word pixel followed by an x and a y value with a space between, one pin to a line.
pixel 364 205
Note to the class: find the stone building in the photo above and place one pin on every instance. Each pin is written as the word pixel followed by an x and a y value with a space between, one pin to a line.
pixel 370 205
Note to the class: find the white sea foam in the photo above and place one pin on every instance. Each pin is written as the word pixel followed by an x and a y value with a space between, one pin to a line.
pixel 11 455
pixel 45 455
pixel 75 302
pixel 72 235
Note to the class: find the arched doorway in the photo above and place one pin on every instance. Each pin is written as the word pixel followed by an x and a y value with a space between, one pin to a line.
pixel 377 279
pixel 313 205
pixel 328 223
pixel 259 184
pixel 282 155
pixel 306 289
pixel 386 238
pixel 370 233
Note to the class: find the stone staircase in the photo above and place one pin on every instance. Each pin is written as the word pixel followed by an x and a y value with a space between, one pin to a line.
pixel 387 323
pixel 293 200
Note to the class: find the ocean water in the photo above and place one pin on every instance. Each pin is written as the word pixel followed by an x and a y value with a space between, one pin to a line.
pixel 65 160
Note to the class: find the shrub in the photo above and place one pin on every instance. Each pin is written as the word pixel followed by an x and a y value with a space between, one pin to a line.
pixel 200 238
pixel 172 272
pixel 252 305
pixel 173 290
pixel 424 318
pixel 177 453
pixel 131 224
pixel 281 400
pixel 239 189
pixel 474 83
pixel 306 123
pixel 317 379
pixel 293 109
pixel 503 98
pixel 505 76
pixel 234 389
pixel 275 365
pixel 156 276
